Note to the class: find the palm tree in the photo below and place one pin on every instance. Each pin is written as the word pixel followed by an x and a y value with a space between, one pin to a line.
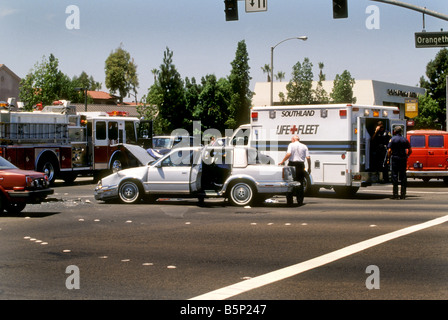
pixel 267 69
pixel 155 73
pixel 280 76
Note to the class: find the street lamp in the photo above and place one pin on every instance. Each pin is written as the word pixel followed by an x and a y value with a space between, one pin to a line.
pixel 304 38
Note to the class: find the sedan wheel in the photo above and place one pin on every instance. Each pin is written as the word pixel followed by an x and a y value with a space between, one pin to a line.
pixel 129 192
pixel 15 207
pixel 241 194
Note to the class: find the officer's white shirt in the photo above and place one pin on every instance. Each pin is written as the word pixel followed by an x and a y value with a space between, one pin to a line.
pixel 299 151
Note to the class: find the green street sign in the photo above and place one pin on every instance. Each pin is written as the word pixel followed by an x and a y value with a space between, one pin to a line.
pixel 431 39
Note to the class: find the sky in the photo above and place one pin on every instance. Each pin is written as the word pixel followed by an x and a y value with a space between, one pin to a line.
pixel 371 45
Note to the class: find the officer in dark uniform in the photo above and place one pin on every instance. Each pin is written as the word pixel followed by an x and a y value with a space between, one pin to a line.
pixel 398 156
pixel 379 143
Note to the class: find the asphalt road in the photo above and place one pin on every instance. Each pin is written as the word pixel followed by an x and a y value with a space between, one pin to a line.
pixel 75 247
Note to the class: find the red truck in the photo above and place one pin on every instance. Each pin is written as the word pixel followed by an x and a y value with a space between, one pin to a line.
pixel 429 158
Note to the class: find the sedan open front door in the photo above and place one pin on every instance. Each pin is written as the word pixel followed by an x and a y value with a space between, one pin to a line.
pixel 176 173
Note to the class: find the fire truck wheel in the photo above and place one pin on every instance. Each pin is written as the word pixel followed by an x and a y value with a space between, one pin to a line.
pixel 241 193
pixel 116 165
pixel 49 167
pixel 129 192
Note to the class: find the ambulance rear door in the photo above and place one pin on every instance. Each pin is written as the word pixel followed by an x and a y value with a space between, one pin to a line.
pixel 360 133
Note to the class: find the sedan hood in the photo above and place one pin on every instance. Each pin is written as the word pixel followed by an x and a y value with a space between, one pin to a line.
pixel 137 172
pixel 20 172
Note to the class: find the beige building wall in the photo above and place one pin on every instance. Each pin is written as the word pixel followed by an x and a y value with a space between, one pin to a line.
pixel 367 92
pixel 9 84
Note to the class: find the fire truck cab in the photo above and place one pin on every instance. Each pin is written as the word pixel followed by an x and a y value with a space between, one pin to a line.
pixel 65 144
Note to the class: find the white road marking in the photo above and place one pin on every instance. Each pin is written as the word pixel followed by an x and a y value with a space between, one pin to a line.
pixel 374 190
pixel 271 277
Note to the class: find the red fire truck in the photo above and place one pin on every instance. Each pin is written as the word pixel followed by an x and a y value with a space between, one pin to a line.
pixel 65 144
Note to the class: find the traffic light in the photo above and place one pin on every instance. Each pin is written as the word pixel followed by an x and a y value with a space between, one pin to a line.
pixel 231 10
pixel 340 9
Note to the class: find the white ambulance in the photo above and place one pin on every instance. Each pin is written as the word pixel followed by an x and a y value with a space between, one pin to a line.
pixel 338 137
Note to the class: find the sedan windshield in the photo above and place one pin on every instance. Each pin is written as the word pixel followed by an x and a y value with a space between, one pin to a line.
pixel 162 142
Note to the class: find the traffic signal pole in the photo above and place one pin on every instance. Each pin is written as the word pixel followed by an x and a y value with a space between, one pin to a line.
pixel 429 13
pixel 415 8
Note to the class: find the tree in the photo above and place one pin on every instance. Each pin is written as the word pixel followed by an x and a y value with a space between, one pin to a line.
pixel 267 69
pixel 241 96
pixel 280 76
pixel 192 92
pixel 86 81
pixel 147 112
pixel 121 73
pixel 299 88
pixel 83 81
pixel 155 73
pixel 168 94
pixel 430 114
pixel 436 72
pixel 343 88
pixel 212 103
pixel 45 84
pixel 321 96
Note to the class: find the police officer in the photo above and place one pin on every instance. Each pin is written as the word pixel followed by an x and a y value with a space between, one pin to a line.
pixel 398 156
pixel 379 143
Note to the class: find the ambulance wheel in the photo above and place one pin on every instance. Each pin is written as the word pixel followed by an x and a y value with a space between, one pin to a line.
pixel 344 191
pixel 241 193
pixel 129 192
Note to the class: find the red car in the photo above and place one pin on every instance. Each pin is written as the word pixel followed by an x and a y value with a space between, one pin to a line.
pixel 20 187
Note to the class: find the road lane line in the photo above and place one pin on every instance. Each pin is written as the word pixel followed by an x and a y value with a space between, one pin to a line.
pixel 274 276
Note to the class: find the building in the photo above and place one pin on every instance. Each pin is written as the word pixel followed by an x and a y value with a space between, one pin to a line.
pixel 105 102
pixel 9 84
pixel 131 110
pixel 101 97
pixel 367 92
